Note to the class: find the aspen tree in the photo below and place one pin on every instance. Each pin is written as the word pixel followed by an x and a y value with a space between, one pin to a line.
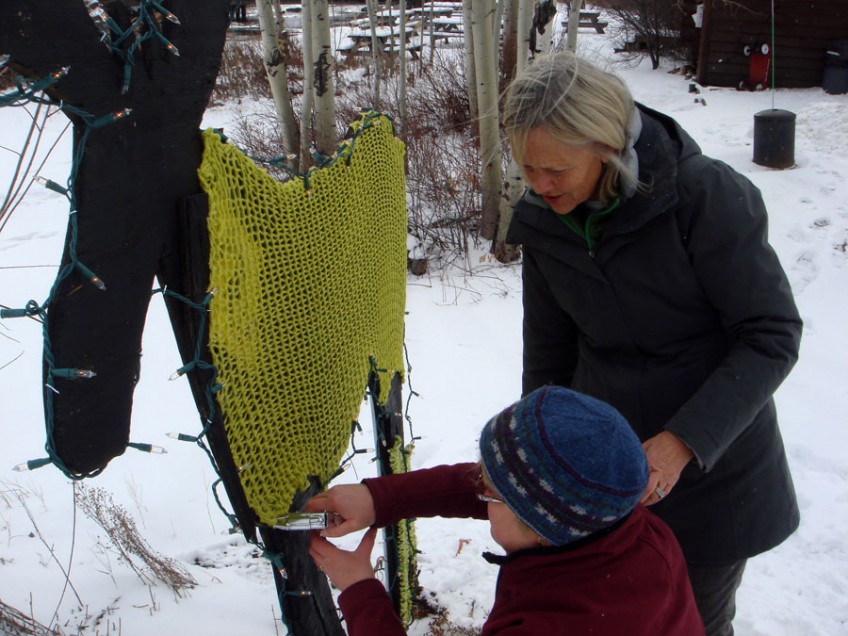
pixel 277 71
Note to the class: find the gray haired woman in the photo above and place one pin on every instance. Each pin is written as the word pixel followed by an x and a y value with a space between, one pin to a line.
pixel 649 283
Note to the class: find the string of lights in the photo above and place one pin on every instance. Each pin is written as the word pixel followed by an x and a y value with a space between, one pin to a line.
pixel 29 91
pixel 125 43
pixel 146 25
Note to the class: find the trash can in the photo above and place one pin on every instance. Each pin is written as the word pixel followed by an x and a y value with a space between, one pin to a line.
pixel 835 77
pixel 774 138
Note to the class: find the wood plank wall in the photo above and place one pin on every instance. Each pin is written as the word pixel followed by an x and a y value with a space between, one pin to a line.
pixel 803 29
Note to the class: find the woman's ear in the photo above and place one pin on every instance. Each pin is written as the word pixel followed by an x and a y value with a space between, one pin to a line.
pixel 606 153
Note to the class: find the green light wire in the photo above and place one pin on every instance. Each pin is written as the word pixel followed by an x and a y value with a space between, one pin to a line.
pixel 26 91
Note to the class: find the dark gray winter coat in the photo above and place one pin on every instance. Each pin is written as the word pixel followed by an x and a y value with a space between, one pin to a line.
pixel 683 319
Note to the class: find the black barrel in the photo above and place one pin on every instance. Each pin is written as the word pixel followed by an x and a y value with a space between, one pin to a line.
pixel 835 76
pixel 774 138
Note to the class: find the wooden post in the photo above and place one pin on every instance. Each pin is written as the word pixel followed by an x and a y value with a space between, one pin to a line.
pixel 139 203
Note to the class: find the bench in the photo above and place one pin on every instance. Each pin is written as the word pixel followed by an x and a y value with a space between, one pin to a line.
pixel 589 19
pixel 388 41
pixel 444 28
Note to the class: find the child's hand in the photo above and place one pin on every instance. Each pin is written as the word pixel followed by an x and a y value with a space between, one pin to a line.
pixel 343 568
pixel 351 505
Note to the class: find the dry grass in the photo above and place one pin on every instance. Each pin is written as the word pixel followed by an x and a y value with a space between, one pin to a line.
pixel 441 625
pixel 13 622
pixel 127 543
pixel 242 71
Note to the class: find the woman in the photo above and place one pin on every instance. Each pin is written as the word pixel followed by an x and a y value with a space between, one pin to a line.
pixel 649 283
pixel 559 481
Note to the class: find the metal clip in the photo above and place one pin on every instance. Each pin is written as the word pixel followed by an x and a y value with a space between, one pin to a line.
pixel 302 521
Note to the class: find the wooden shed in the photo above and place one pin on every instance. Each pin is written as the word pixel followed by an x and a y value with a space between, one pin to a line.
pixel 803 31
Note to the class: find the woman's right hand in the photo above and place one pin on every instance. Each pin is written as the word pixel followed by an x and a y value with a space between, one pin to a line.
pixel 351 507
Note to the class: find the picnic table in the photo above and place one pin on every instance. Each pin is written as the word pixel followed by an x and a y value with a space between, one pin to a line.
pixel 446 27
pixel 433 11
pixel 591 19
pixel 451 7
pixel 388 17
pixel 385 19
pixel 360 41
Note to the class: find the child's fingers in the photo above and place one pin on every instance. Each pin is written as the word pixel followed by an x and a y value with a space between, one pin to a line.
pixel 338 526
pixel 318 503
pixel 319 548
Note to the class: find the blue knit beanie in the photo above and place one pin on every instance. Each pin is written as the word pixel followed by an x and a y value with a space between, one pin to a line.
pixel 565 463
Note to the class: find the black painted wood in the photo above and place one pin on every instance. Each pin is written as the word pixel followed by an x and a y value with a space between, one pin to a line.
pixel 802 33
pixel 141 216
pixel 131 177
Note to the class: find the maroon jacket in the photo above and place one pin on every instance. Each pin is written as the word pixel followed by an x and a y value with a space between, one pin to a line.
pixel 629 579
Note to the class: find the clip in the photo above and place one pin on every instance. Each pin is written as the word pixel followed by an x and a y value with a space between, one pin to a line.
pixel 302 521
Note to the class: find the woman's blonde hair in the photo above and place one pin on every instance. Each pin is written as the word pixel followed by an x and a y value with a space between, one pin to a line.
pixel 579 105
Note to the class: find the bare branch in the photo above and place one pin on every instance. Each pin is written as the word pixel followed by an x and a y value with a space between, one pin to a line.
pixel 40 536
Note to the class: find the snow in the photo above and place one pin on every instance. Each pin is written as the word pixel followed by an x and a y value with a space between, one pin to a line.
pixel 463 338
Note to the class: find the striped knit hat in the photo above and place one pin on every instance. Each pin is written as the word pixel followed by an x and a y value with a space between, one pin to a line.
pixel 566 464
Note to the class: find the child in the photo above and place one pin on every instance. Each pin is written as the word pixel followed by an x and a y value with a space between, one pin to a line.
pixel 560 478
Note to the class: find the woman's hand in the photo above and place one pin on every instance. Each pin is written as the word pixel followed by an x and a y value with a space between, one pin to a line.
pixel 343 568
pixel 351 507
pixel 667 457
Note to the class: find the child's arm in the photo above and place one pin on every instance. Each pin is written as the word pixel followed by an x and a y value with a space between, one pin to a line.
pixel 368 610
pixel 444 491
pixel 364 602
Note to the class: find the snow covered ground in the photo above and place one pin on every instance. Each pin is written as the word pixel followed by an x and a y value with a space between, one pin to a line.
pixel 455 318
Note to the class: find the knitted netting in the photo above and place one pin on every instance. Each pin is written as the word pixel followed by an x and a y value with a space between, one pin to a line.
pixel 406 541
pixel 310 280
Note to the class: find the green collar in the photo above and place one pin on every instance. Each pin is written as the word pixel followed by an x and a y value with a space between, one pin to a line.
pixel 593 227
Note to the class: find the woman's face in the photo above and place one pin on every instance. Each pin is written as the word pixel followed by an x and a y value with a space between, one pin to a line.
pixel 564 175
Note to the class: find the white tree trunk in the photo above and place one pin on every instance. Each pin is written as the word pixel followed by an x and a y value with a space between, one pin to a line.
pixel 485 55
pixel 468 58
pixel 525 23
pixel 275 67
pixel 509 48
pixel 573 24
pixel 326 138
pixel 514 180
pixel 308 89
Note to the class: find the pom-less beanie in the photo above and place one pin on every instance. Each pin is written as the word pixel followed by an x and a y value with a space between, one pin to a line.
pixel 567 464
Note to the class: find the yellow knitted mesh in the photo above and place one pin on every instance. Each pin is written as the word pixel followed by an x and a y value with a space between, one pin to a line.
pixel 311 287
pixel 406 540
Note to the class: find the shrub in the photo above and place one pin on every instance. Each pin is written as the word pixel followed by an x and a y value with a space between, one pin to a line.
pixel 443 185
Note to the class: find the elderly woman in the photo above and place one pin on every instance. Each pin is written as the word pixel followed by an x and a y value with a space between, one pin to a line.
pixel 649 283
